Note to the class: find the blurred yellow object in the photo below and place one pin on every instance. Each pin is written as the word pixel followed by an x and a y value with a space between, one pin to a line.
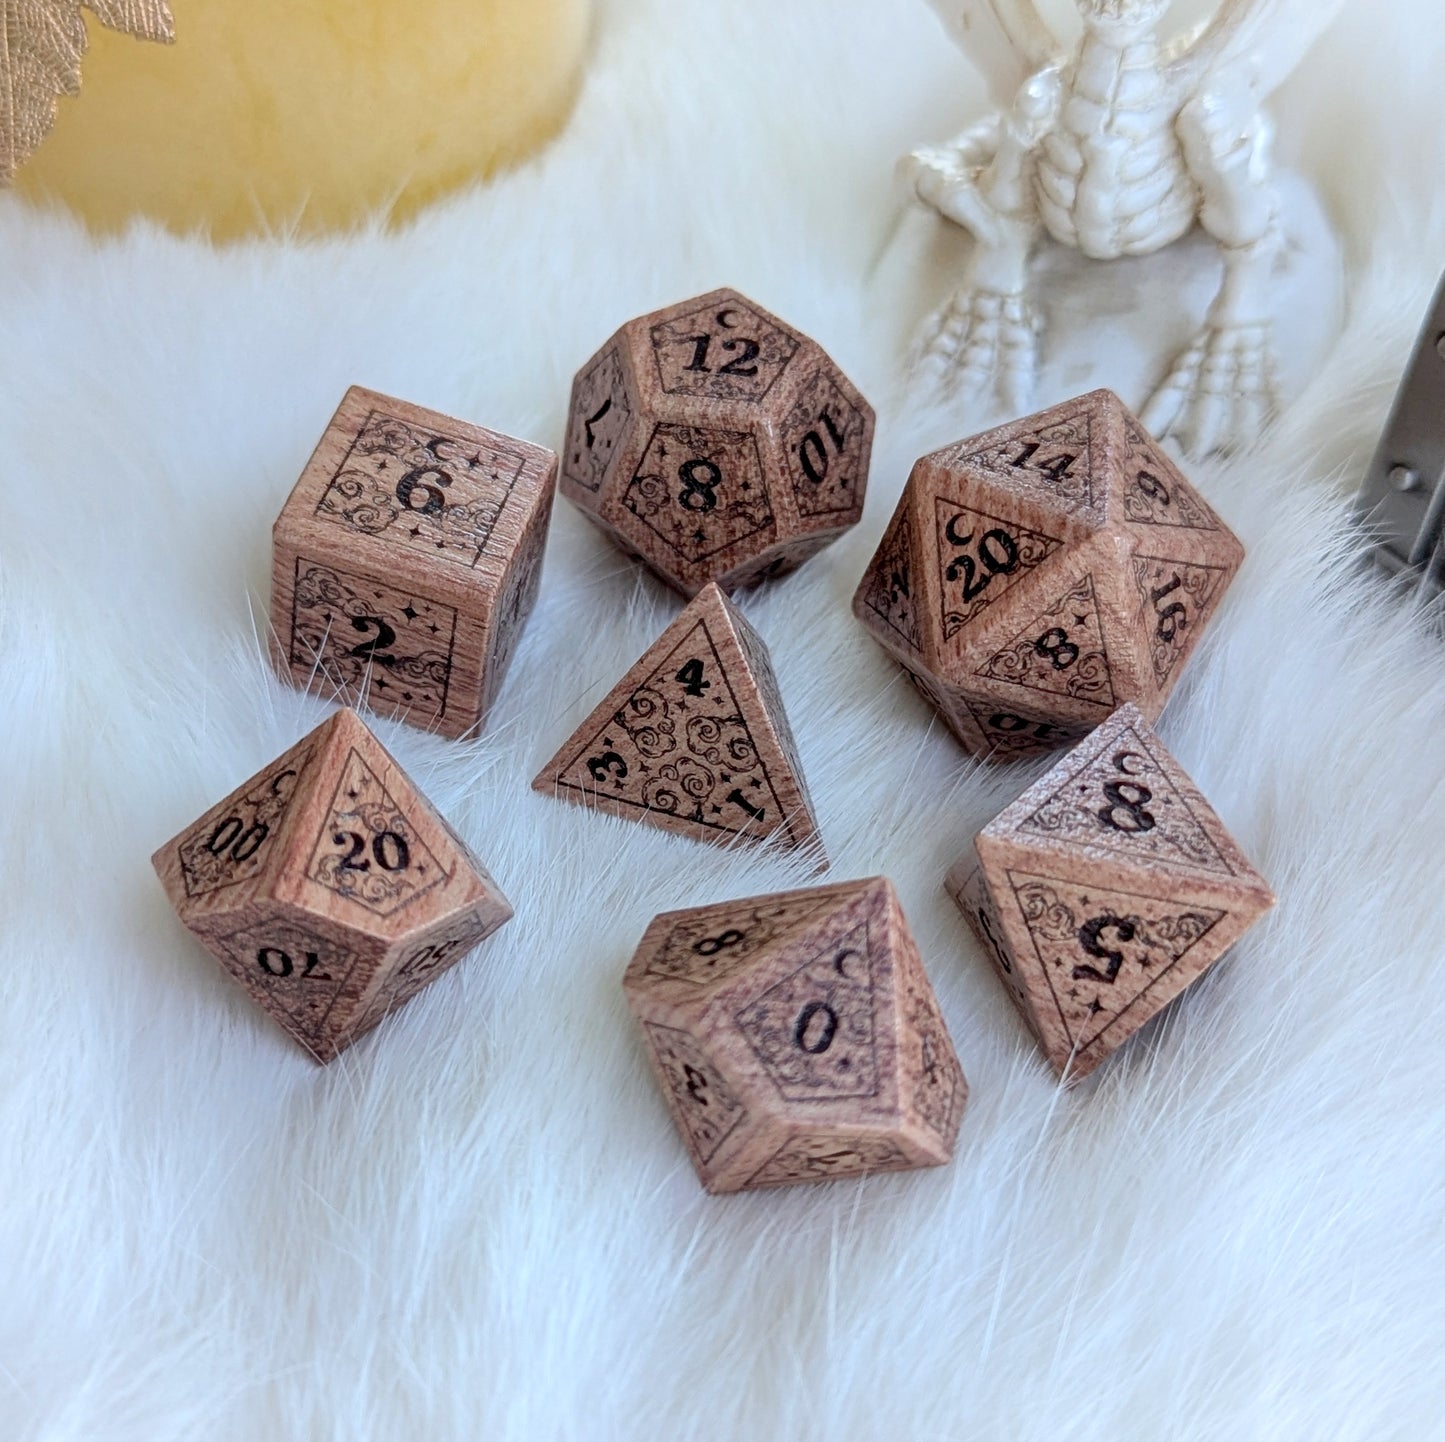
pixel 269 113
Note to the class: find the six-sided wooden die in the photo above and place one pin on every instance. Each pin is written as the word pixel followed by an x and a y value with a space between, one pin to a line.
pixel 796 1037
pixel 329 887
pixel 693 738
pixel 1035 578
pixel 406 562
pixel 1104 891
pixel 716 443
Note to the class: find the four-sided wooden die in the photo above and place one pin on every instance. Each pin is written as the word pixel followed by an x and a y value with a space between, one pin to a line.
pixel 1104 891
pixel 1035 578
pixel 716 443
pixel 796 1037
pixel 407 560
pixel 693 738
pixel 329 887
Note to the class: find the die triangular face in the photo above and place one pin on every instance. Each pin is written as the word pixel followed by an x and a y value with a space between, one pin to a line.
pixel 1152 491
pixel 1176 599
pixel 890 590
pixel 373 847
pixel 1121 795
pixel 693 739
pixel 1104 960
pixel 1058 456
pixel 1060 652
pixel 703 947
pixel 826 1155
pixel 814 1031
pixel 236 841
pixel 980 557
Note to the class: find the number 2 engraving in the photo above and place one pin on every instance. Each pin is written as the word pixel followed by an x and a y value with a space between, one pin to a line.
pixel 371 650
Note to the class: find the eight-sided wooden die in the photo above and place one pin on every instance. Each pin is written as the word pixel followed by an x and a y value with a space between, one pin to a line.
pixel 329 887
pixel 1035 578
pixel 796 1037
pixel 406 562
pixel 693 738
pixel 716 443
pixel 1104 891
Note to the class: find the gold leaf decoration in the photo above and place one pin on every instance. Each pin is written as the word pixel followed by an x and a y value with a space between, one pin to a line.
pixel 41 45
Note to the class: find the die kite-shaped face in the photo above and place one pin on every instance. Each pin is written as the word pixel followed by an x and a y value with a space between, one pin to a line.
pixel 796 1037
pixel 329 888
pixel 716 443
pixel 406 562
pixel 1104 891
pixel 1035 578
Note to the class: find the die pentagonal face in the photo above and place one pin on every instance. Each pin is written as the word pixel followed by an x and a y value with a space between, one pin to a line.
pixel 716 443
pixel 720 347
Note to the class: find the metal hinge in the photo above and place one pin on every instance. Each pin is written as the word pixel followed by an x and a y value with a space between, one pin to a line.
pixel 1402 500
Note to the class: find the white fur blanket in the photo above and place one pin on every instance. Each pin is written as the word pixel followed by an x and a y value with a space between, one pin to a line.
pixel 478 1224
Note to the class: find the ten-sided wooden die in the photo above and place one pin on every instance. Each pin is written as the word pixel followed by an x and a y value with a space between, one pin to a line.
pixel 796 1037
pixel 716 443
pixel 1104 891
pixel 329 887
pixel 693 738
pixel 1038 576
pixel 406 562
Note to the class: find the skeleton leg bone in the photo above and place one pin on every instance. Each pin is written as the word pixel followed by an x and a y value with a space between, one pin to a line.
pixel 985 340
pixel 1223 389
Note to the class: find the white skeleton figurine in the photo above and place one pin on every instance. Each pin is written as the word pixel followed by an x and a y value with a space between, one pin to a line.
pixel 1119 149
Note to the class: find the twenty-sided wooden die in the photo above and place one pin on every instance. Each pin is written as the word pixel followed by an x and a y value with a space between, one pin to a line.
pixel 693 738
pixel 406 562
pixel 1035 578
pixel 329 887
pixel 1104 891
pixel 796 1037
pixel 716 443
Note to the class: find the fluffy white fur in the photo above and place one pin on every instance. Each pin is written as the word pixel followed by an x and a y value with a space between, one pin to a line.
pixel 479 1224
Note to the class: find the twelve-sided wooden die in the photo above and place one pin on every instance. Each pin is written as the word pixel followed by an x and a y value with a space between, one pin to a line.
pixel 1035 578
pixel 716 443
pixel 693 739
pixel 796 1037
pixel 329 887
pixel 406 562
pixel 1104 891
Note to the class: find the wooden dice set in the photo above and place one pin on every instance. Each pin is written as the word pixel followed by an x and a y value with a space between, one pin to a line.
pixel 1043 584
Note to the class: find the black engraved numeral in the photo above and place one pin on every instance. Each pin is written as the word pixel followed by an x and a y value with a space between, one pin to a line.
pixel 739 365
pixel 594 418
pixel 242 841
pixel 608 764
pixel 1055 469
pixel 711 945
pixel 432 954
pixel 276 962
pixel 813 453
pixel 1091 938
pixel 998 555
pixel 428 482
pixel 372 650
pixel 1012 725
pixel 1056 648
pixel 738 799
pixel 1127 799
pixel 998 947
pixel 1153 487
pixel 815 1040
pixel 390 850
pixel 696 1084
pixel 700 479
pixel 1175 616
pixel 691 678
